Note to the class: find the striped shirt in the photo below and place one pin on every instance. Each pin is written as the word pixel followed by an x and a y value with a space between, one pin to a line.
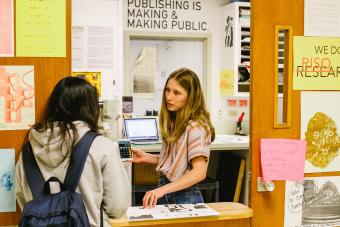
pixel 175 158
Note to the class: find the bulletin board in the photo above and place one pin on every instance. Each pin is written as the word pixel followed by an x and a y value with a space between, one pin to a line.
pixel 47 72
pixel 171 51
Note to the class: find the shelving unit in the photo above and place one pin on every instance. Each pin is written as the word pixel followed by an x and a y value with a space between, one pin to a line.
pixel 235 54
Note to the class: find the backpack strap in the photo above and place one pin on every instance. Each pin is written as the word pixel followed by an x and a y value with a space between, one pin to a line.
pixel 77 163
pixel 33 175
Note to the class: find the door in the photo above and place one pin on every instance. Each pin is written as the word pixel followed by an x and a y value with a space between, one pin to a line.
pixel 265 14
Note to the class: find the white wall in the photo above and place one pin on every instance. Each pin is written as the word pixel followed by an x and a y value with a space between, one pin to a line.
pixel 114 13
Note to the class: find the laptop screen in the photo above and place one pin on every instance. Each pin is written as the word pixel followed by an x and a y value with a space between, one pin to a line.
pixel 141 129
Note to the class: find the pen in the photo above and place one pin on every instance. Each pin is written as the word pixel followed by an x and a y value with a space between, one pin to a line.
pixel 240 119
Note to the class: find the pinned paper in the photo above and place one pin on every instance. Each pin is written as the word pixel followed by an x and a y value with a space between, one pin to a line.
pixel 7 173
pixel 316 63
pixel 283 159
pixel 41 28
pixel 243 102
pixel 7 28
pixel 231 102
pixel 226 82
pixel 94 78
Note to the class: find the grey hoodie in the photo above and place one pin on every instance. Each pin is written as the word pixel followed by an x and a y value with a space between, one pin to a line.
pixel 103 179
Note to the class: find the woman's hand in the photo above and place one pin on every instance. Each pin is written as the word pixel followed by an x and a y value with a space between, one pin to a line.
pixel 138 156
pixel 151 197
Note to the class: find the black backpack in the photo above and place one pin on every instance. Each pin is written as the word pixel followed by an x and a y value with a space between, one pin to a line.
pixel 62 209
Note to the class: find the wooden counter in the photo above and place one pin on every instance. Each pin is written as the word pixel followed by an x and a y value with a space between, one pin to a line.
pixel 231 215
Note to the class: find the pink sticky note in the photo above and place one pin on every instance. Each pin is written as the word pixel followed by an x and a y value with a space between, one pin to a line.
pixel 283 159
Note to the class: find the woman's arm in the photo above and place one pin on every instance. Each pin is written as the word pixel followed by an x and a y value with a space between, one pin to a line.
pixel 193 176
pixel 140 156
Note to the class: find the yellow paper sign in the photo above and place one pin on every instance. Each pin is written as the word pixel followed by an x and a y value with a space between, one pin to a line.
pixel 41 28
pixel 316 63
pixel 94 78
pixel 226 82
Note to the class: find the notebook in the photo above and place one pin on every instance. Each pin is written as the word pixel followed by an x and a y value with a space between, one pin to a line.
pixel 141 130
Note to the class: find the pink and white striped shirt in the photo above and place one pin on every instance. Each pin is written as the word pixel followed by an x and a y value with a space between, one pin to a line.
pixel 175 158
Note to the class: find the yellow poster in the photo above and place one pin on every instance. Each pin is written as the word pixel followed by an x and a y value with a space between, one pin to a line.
pixel 93 78
pixel 316 63
pixel 41 28
pixel 226 82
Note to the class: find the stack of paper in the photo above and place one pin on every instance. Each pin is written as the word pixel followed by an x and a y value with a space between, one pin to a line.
pixel 170 211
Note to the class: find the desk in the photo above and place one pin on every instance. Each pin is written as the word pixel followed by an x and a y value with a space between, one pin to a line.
pixel 231 143
pixel 231 215
pixel 222 142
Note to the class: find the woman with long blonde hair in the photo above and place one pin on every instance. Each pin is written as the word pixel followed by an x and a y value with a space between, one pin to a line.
pixel 187 133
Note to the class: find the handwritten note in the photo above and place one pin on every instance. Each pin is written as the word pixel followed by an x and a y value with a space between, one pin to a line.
pixel 283 159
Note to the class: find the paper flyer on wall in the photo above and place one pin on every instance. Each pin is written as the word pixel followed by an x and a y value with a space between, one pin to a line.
pixel 170 211
pixel 40 28
pixel 320 122
pixel 94 78
pixel 321 18
pixel 7 173
pixel 315 202
pixel 7 28
pixel 17 97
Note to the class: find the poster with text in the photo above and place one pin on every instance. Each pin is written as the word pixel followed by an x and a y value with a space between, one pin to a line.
pixel 7 174
pixel 315 202
pixel 170 16
pixel 17 97
pixel 320 122
pixel 316 63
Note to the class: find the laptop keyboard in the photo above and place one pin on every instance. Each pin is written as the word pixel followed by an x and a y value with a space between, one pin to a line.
pixel 146 142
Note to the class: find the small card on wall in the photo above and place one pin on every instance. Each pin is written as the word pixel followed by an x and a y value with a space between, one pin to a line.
pixel 7 173
pixel 283 159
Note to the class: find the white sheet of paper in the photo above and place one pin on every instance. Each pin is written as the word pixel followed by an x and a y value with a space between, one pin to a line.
pixel 322 18
pixel 100 47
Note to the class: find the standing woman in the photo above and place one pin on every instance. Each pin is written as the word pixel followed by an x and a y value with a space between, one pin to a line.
pixel 71 111
pixel 187 133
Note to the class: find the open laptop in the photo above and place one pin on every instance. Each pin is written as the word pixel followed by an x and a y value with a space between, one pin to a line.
pixel 142 130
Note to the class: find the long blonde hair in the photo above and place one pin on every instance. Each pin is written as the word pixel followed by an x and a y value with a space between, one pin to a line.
pixel 173 124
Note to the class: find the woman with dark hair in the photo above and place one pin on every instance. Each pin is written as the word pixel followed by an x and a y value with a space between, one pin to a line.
pixel 71 111
pixel 187 133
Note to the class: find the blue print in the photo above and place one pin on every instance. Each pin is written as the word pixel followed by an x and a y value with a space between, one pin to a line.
pixel 6 181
